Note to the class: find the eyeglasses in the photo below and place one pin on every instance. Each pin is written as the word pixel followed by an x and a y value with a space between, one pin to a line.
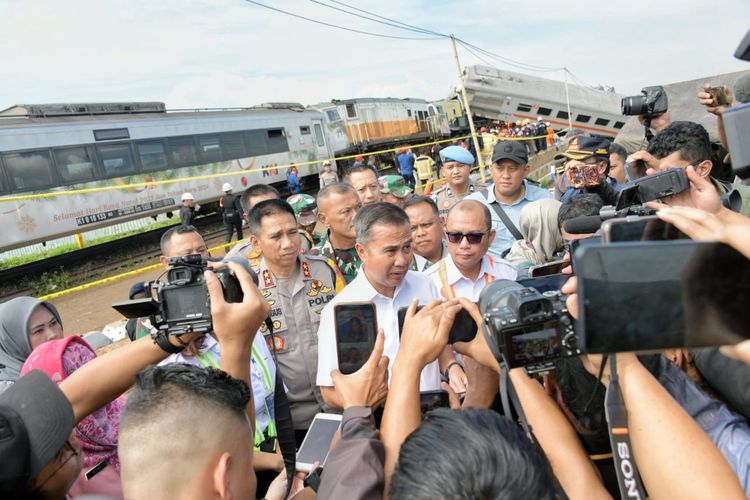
pixel 73 453
pixel 472 238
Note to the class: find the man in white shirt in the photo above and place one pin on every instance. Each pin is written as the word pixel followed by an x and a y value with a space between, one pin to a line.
pixel 384 244
pixel 468 269
pixel 427 232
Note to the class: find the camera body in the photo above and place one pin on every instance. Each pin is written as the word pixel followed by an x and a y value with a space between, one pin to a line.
pixel 526 328
pixel 653 187
pixel 651 102
pixel 182 303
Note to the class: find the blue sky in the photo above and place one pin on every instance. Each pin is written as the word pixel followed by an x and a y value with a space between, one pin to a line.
pixel 209 53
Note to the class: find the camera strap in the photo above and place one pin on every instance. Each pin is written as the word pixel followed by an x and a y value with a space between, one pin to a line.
pixel 628 479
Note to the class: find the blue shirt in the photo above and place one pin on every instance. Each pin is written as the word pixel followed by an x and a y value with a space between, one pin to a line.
pixel 293 181
pixel 406 162
pixel 728 431
pixel 503 238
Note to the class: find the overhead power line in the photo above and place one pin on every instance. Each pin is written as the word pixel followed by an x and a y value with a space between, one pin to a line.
pixel 330 25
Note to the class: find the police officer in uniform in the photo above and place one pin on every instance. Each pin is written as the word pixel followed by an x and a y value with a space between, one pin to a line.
pixel 457 163
pixel 297 287
pixel 231 211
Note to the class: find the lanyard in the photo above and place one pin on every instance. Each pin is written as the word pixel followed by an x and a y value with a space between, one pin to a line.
pixel 209 360
pixel 443 274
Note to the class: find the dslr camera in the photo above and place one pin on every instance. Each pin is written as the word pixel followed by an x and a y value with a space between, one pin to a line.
pixel 181 304
pixel 651 102
pixel 526 328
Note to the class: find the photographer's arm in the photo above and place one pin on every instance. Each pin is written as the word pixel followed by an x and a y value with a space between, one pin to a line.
pixel 559 441
pixel 106 377
pixel 424 337
pixel 235 326
pixel 675 458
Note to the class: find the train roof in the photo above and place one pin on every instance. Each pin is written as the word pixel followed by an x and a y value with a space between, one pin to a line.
pixel 368 100
pixel 35 114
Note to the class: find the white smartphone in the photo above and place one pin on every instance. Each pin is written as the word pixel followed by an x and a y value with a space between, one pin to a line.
pixel 317 442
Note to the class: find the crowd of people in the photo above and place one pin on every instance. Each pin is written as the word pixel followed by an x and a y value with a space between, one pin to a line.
pixel 222 414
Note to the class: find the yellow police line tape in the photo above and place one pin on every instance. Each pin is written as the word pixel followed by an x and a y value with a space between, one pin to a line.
pixel 55 194
pixel 118 277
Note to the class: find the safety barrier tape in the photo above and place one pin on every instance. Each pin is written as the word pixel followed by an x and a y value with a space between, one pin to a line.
pixel 118 277
pixel 54 194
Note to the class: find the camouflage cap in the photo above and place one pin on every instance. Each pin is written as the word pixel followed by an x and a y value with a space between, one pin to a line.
pixel 304 208
pixel 395 185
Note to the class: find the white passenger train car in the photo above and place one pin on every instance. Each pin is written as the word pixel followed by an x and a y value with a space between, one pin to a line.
pixel 52 148
pixel 508 96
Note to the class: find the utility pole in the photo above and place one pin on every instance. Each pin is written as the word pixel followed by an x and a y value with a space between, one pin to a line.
pixel 567 99
pixel 467 109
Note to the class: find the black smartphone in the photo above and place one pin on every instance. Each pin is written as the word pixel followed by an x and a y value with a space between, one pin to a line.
pixel 429 400
pixel 356 328
pixel 660 295
pixel 543 284
pixel 464 327
pixel 576 244
pixel 546 269
pixel 634 228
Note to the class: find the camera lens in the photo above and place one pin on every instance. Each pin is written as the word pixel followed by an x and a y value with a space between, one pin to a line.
pixel 633 105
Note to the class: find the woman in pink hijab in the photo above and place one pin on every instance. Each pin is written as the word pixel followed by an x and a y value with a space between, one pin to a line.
pixel 99 432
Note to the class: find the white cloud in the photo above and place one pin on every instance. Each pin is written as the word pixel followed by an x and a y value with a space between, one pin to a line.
pixel 205 53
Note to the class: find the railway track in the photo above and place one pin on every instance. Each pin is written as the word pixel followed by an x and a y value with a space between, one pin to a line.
pixel 96 261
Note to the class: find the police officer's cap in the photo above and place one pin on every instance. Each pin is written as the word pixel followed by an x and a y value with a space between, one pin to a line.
pixel 456 153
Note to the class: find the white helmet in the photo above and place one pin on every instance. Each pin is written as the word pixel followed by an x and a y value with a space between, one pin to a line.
pixel 187 196
pixel 226 187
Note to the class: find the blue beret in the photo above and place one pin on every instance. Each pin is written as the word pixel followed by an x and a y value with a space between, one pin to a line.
pixel 457 153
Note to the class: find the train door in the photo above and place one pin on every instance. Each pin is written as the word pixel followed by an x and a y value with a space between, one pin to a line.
pixel 321 145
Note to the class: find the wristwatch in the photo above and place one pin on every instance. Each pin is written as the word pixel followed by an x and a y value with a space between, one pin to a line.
pixel 161 339
pixel 447 370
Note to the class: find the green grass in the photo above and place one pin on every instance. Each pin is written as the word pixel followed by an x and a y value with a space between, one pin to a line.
pixel 70 247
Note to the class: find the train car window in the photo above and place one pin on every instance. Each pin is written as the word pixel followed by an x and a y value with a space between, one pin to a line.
pixel 619 124
pixel 3 184
pixel 209 147
pixel 117 159
pixel 333 115
pixel 351 111
pixel 182 151
pixel 544 111
pixel 276 141
pixel 583 118
pixel 233 145
pixel 29 170
pixel 75 164
pixel 256 142
pixel 602 121
pixel 562 114
pixel 319 138
pixel 524 108
pixel 408 113
pixel 153 155
pixel 111 133
pixel 304 130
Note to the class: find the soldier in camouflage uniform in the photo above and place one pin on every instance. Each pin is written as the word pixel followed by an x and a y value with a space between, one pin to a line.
pixel 394 189
pixel 337 205
pixel 297 287
pixel 304 207
pixel 456 168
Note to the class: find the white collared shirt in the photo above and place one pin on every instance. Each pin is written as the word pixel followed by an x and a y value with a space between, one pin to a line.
pixel 414 286
pixel 452 284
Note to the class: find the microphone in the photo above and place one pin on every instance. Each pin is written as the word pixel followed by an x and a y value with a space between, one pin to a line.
pixel 742 88
pixel 585 224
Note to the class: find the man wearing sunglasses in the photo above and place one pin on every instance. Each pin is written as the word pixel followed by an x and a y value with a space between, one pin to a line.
pixel 468 269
